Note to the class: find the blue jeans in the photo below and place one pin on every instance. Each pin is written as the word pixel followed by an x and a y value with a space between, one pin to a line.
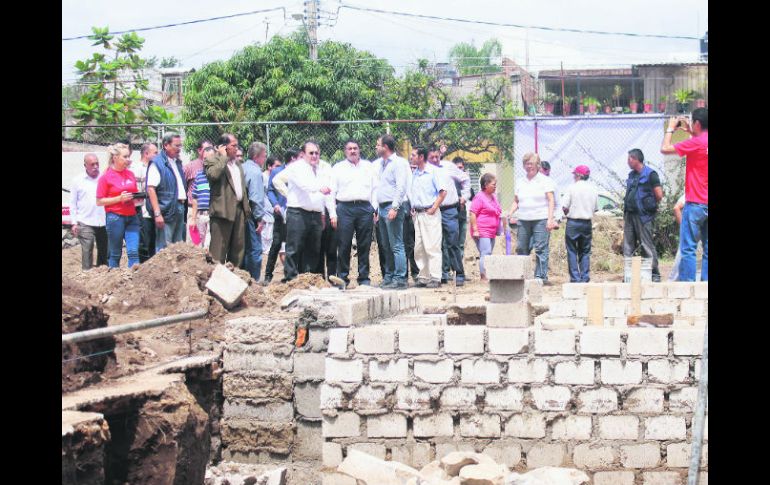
pixel 695 226
pixel 540 237
pixel 451 254
pixel 485 246
pixel 392 241
pixel 173 230
pixel 118 228
pixel 252 262
pixel 577 238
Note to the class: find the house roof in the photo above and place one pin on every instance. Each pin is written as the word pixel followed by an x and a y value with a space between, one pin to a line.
pixel 587 72
pixel 675 64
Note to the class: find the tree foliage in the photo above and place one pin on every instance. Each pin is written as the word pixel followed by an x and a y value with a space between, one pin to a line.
pixel 115 90
pixel 472 60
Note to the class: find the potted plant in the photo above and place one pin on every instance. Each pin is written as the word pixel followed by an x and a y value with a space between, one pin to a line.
pixel 662 104
pixel 591 103
pixel 683 98
pixel 566 105
pixel 617 92
pixel 647 106
pixel 633 105
pixel 550 99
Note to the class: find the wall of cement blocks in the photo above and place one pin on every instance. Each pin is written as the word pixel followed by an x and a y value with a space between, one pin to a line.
pixel 687 301
pixel 615 403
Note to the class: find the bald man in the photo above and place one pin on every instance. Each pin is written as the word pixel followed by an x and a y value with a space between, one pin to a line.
pixel 88 219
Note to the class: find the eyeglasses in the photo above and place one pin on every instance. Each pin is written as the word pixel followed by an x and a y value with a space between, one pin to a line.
pixel 313 153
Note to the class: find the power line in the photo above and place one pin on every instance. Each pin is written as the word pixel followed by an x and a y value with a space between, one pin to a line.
pixel 211 19
pixel 536 27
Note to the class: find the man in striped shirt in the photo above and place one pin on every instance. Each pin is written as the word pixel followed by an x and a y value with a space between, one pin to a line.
pixel 199 216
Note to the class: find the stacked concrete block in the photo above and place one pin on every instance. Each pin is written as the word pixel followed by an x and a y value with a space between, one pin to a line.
pixel 509 302
pixel 360 306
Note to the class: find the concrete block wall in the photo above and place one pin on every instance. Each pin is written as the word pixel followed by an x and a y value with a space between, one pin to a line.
pixel 616 403
pixel 688 301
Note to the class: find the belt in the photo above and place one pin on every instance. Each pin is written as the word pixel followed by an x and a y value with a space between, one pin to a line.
pixel 421 209
pixel 303 210
pixel 453 206
pixel 385 204
pixel 356 202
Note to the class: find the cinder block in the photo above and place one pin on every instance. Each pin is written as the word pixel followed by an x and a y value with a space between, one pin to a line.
pixel 662 478
pixel 571 428
pixel 618 372
pixel 688 342
pixel 261 362
pixel 259 330
pixel 339 370
pixel 338 341
pixel 467 339
pixel 506 291
pixel 226 286
pixel 647 341
pixel 568 308
pixel 701 290
pixel 573 291
pixel 504 452
pixel 589 455
pixel 533 290
pixel 309 365
pixel 619 427
pixel 374 449
pixel 343 425
pixel 390 371
pixel 551 398
pixel 246 409
pixel 418 340
pixel 527 371
pixel 526 425
pixel 515 315
pixel 644 400
pixel 652 291
pixel 480 426
pixel 308 442
pixel 623 291
pixel 600 401
pixel 458 397
pixel 410 398
pixel 546 455
pixel 599 341
pixel 678 289
pixel 683 400
pixel 331 397
pixel 331 454
pixel 665 372
pixel 614 478
pixel 317 339
pixel 440 424
pixel 661 307
pixel 369 398
pixel 678 455
pixel 480 371
pixel 508 398
pixel 646 455
pixel 574 372
pixel 550 342
pixel 443 449
pixel 434 372
pixel 507 341
pixel 374 340
pixel 693 308
pixel 351 312
pixel 508 267
pixel 616 308
pixel 416 455
pixel 307 399
pixel 665 428
pixel 386 426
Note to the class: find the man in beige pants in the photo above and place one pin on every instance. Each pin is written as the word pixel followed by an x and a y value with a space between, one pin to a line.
pixel 425 196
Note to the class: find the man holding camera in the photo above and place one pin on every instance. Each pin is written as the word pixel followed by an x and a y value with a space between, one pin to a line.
pixel 695 215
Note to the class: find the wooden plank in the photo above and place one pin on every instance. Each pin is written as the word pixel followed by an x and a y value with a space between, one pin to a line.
pixel 595 305
pixel 636 285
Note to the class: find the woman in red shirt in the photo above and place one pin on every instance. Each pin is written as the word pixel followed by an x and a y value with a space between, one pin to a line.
pixel 114 191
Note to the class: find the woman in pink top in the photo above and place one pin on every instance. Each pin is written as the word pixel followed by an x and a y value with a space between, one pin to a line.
pixel 485 219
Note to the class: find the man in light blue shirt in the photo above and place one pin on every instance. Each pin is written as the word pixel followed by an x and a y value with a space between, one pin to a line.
pixel 426 194
pixel 255 188
pixel 391 191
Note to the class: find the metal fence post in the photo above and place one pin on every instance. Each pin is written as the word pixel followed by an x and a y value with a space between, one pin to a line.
pixel 700 411
pixel 267 134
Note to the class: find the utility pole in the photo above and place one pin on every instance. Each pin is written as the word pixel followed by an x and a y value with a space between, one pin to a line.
pixel 267 28
pixel 311 9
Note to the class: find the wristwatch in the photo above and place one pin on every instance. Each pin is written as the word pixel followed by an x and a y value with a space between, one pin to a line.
pixel 669 131
pixel 157 214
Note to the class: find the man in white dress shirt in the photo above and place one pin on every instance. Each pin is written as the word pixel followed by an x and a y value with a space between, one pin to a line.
pixel 355 182
pixel 88 219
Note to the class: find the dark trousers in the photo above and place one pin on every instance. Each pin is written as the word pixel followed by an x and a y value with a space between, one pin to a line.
pixel 638 234
pixel 228 238
pixel 411 264
pixel 279 237
pixel 303 240
pixel 88 236
pixel 327 258
pixel 354 217
pixel 577 238
pixel 451 256
pixel 146 238
pixel 380 248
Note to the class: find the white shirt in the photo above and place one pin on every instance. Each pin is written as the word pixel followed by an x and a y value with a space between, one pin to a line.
pixel 533 203
pixel 235 173
pixel 354 182
pixel 153 179
pixel 302 186
pixel 582 200
pixel 450 174
pixel 140 170
pixel 83 206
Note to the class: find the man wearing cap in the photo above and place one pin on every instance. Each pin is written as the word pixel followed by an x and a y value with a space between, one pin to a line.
pixel 580 202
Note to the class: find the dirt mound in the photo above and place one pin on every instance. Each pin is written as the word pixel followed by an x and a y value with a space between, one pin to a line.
pixel 276 291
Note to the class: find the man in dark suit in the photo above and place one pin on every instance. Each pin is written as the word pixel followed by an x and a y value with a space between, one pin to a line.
pixel 229 202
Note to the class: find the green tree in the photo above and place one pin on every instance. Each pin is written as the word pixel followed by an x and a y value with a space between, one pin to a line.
pixel 116 85
pixel 471 60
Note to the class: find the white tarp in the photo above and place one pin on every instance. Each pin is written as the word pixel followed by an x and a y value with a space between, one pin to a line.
pixel 600 142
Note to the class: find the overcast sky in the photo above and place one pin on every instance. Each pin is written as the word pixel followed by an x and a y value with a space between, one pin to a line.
pixel 402 40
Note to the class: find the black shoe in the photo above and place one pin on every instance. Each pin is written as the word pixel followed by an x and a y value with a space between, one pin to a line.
pixel 398 285
pixel 385 284
pixel 459 282
pixel 433 284
pixel 444 281
pixel 420 284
